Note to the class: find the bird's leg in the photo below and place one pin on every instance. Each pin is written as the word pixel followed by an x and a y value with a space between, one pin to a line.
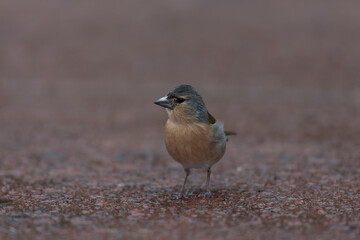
pixel 187 173
pixel 208 179
pixel 207 193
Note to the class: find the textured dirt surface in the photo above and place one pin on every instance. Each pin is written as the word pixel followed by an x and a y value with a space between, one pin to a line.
pixel 81 142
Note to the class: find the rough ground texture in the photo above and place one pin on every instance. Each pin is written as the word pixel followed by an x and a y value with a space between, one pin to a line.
pixel 81 146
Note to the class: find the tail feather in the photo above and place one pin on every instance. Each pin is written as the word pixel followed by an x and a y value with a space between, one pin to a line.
pixel 229 133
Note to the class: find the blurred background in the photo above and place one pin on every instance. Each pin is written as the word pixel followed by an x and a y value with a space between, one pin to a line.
pixel 78 80
pixel 279 69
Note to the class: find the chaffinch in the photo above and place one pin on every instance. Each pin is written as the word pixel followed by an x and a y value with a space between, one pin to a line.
pixel 193 137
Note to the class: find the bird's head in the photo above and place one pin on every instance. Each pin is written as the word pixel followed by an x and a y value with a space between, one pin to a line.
pixel 184 104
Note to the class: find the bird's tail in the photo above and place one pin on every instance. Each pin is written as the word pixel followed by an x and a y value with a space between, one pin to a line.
pixel 229 133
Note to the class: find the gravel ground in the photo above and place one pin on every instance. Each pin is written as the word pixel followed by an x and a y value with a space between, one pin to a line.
pixel 81 142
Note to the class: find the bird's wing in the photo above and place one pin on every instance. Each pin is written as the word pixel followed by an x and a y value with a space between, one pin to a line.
pixel 211 118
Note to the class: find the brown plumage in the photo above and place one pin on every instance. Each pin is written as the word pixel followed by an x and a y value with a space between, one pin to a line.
pixel 193 137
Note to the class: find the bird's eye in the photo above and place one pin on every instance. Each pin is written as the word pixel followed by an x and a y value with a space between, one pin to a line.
pixel 179 100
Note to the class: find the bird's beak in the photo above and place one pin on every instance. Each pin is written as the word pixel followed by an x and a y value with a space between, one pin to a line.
pixel 164 102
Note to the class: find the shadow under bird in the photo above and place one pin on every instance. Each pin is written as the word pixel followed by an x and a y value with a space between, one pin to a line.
pixel 193 137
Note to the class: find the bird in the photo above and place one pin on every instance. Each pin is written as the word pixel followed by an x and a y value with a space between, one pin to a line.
pixel 193 137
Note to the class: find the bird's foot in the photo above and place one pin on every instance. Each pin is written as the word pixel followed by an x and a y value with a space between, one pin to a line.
pixel 181 195
pixel 207 194
pixel 178 197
